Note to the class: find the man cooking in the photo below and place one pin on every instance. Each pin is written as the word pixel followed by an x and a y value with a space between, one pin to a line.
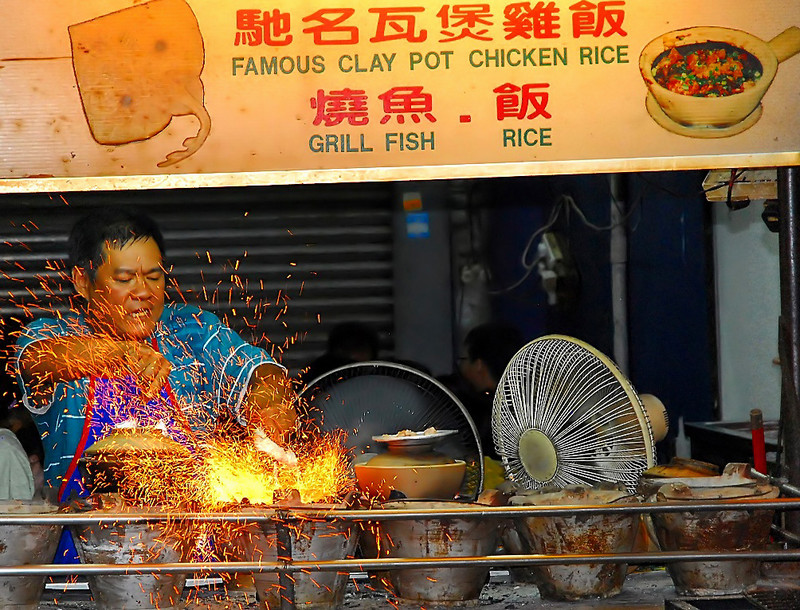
pixel 130 360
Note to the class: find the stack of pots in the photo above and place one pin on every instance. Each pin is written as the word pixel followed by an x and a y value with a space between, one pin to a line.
pixel 579 534
pixel 714 531
pixel 25 545
pixel 431 537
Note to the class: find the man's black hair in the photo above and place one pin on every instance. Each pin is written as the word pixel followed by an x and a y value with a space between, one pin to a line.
pixel 116 226
pixel 495 343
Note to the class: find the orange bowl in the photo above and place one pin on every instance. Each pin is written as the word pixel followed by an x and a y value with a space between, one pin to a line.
pixel 432 481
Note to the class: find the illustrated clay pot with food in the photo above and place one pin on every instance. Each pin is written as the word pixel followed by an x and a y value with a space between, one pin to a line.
pixel 709 81
pixel 137 68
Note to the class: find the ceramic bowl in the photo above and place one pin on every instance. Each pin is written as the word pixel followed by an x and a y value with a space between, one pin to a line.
pixel 431 481
pixel 724 111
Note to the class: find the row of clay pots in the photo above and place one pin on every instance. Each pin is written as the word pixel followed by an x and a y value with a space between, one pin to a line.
pixel 160 542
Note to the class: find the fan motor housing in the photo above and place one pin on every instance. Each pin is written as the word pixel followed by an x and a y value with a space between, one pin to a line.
pixel 538 455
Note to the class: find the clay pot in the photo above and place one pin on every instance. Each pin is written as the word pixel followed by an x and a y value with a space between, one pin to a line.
pixel 721 111
pixel 428 476
pixel 571 534
pixel 25 545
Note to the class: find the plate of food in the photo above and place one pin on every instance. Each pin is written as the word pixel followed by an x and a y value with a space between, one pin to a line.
pixel 413 441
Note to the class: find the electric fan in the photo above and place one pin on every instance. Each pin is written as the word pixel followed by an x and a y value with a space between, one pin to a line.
pixel 369 399
pixel 563 414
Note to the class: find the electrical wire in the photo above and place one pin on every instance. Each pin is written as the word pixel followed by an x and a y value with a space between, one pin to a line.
pixel 564 203
pixel 530 266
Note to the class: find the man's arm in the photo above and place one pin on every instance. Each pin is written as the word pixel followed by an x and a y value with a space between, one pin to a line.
pixel 269 403
pixel 44 363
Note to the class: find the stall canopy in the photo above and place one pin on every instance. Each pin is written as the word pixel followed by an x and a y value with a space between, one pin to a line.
pixel 126 94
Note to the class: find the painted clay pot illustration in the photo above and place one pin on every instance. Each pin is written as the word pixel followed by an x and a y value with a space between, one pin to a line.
pixel 711 111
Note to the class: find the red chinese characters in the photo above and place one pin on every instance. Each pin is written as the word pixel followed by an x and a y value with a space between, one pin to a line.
pixel 254 27
pixel 335 107
pixel 398 24
pixel 350 105
pixel 465 21
pixel 329 26
pixel 526 102
pixel 523 20
pixel 597 19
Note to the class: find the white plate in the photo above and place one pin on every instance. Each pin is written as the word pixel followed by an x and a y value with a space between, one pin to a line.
pixel 413 440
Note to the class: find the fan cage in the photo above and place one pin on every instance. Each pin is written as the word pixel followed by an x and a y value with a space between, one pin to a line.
pixel 367 399
pixel 581 402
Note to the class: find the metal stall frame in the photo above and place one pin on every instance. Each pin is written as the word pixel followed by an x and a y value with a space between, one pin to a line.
pixel 283 517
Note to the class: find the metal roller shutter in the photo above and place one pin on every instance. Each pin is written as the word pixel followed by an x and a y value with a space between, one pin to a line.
pixel 281 265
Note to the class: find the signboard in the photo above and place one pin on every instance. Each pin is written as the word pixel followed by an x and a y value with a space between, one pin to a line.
pixel 128 94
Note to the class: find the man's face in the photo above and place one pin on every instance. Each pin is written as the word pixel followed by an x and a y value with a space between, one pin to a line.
pixel 126 298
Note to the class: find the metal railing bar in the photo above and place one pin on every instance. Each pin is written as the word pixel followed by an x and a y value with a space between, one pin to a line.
pixel 386 514
pixel 361 565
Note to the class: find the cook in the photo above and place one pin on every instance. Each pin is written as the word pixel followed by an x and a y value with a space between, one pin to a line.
pixel 128 359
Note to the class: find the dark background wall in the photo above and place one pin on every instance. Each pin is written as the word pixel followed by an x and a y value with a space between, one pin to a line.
pixel 670 299
pixel 343 252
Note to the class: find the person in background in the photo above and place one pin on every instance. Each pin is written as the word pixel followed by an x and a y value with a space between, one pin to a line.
pixel 128 359
pixel 348 342
pixel 16 473
pixel 485 352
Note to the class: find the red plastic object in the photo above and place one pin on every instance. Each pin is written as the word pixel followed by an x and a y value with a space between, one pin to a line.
pixel 757 432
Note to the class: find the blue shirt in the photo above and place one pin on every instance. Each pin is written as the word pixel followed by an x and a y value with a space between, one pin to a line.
pixel 211 370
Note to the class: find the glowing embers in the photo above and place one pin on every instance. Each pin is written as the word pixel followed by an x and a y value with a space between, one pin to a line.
pixel 148 469
pixel 233 472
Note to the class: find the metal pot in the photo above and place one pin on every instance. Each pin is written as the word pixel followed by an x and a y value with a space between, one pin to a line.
pixel 438 537
pixel 25 545
pixel 726 530
pixel 161 541
pixel 570 534
pixel 310 540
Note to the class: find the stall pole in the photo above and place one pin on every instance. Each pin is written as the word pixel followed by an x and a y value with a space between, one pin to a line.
pixel 789 326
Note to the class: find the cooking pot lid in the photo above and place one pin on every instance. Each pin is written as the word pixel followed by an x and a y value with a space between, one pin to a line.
pixel 575 495
pixel 138 440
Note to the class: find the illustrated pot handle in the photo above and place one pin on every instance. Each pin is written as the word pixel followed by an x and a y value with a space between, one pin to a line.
pixel 786 44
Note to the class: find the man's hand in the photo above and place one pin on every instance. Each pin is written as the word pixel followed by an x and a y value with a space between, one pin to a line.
pixel 265 444
pixel 270 399
pixel 149 367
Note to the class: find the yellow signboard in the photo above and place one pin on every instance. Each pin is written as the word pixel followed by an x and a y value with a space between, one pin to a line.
pixel 129 94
